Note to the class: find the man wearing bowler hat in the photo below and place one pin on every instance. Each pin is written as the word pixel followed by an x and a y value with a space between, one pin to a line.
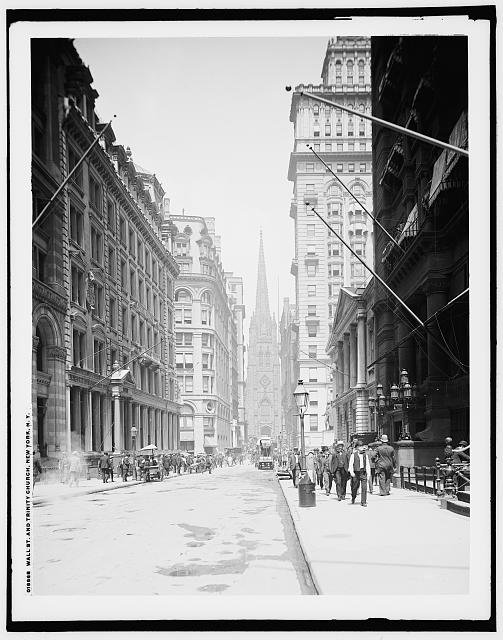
pixel 339 467
pixel 385 465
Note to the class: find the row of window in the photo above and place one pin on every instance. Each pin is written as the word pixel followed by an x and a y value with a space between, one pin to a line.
pixel 337 270
pixel 338 168
pixel 182 295
pixel 340 147
pixel 184 316
pixel 350 129
pixel 186 384
pixel 142 255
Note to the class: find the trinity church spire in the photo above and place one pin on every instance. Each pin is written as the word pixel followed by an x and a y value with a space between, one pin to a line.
pixel 262 296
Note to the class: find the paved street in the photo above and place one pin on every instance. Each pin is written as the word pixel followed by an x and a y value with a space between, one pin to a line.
pixel 225 533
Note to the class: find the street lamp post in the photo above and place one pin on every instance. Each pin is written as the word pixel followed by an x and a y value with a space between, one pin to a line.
pixel 134 431
pixel 404 395
pixel 307 496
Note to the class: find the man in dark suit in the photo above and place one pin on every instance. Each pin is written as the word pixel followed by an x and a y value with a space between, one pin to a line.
pixel 339 468
pixel 325 466
pixel 359 468
pixel 385 465
pixel 294 465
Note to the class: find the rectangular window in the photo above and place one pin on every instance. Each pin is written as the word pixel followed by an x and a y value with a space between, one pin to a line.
pixel 309 167
pixel 312 331
pixel 205 339
pixel 77 286
pixel 123 274
pixel 187 316
pixel 72 161
pixel 112 312
pixel 122 231
pixel 206 361
pixel 99 301
pixel 96 245
pixel 99 356
pixel 313 374
pixel 351 167
pixel 340 167
pixel 132 243
pixel 317 147
pixel 179 360
pixel 313 353
pixel 312 270
pixel 111 263
pixel 357 270
pixel 340 146
pixel 132 282
pixel 39 263
pixel 363 167
pixel 313 398
pixel 316 131
pixel 141 291
pixel 139 257
pixel 338 129
pixel 189 363
pixel 311 290
pixel 178 316
pixel 363 146
pixel 76 225
pixel 311 310
pixel 309 188
pixel 179 338
pixel 188 339
pixel 111 216
pixel 94 194
pixel 313 422
pixel 147 262
pixel 328 130
pixel 311 250
pixel 204 316
pixel 189 384
pixel 134 329
pixel 328 147
pixel 206 384
pixel 310 230
pixel 79 349
pixel 124 321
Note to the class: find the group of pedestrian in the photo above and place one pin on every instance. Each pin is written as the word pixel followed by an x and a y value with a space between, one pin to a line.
pixel 70 468
pixel 361 465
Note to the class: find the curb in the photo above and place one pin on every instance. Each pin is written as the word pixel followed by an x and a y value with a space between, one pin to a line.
pixel 295 519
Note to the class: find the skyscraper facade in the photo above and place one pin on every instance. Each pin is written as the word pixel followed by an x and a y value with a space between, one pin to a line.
pixel 322 264
pixel 263 397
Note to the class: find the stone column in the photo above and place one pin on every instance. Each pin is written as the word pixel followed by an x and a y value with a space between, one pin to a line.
pixel 106 438
pixel 340 369
pixel 117 418
pixel 56 357
pixel 436 297
pixel 68 433
pixel 352 356
pixel 88 425
pixel 346 360
pixel 362 351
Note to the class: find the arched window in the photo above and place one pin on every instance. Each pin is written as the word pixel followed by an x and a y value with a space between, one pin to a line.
pixel 316 110
pixel 40 352
pixel 349 66
pixel 361 72
pixel 183 296
pixel 334 190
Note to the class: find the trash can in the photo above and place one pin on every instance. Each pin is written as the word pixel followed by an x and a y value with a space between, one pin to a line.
pixel 307 492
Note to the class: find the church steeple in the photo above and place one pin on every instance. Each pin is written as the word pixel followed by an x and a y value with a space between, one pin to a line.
pixel 262 296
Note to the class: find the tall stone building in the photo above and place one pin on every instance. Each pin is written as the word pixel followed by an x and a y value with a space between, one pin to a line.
pixel 322 264
pixel 421 196
pixel 263 395
pixel 289 356
pixel 103 342
pixel 206 336
pixel 236 299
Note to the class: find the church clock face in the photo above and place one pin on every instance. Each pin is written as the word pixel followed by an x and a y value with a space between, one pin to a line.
pixel 265 381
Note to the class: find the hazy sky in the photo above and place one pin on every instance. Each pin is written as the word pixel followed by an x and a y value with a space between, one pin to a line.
pixel 210 117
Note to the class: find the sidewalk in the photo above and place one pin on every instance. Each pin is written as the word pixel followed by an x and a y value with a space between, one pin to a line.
pixel 45 493
pixel 400 544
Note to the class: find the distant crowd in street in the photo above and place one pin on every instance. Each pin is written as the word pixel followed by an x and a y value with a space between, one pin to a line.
pixel 364 466
pixel 143 466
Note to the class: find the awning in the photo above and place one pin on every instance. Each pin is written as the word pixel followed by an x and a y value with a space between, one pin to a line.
pixel 448 159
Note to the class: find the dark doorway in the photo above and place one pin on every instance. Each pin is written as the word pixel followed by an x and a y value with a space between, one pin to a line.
pixel 41 411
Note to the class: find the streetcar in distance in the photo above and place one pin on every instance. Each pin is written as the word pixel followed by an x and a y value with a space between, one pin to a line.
pixel 264 449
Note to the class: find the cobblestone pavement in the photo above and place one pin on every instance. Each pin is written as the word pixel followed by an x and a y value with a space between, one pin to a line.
pixel 225 533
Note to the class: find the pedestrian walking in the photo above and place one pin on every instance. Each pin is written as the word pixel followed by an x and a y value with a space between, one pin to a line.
pixel 327 475
pixel 359 468
pixel 385 465
pixel 339 466
pixel 209 462
pixel 125 463
pixel 310 466
pixel 372 459
pixel 319 469
pixel 104 466
pixel 74 469
pixel 294 465
pixel 63 468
